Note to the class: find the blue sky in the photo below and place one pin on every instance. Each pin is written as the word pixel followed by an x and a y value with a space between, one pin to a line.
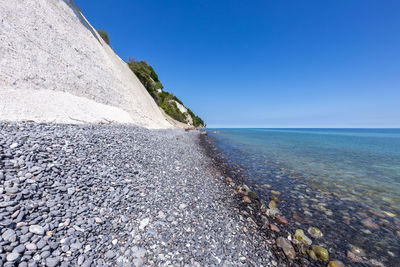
pixel 266 63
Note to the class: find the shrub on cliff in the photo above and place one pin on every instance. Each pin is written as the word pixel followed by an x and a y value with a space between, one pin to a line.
pixel 149 78
pixel 104 35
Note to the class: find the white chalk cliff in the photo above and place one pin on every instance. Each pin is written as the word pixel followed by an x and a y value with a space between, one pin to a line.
pixel 55 67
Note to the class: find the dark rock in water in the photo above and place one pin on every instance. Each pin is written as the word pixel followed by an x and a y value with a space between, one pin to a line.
pixel 253 195
pixel 286 246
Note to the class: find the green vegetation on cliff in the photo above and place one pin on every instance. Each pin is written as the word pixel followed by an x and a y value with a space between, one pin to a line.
pixel 167 101
pixel 104 35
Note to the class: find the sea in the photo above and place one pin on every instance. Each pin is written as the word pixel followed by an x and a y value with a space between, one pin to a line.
pixel 345 182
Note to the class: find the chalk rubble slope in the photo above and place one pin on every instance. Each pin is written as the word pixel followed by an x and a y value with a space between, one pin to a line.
pixel 55 67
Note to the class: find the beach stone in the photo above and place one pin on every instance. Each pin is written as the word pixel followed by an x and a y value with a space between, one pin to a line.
pixel 14 256
pixel 314 232
pixel 228 179
pixel 13 145
pixel 52 262
pixel 30 246
pixel 9 235
pixel 301 237
pixel 321 253
pixel 286 246
pixel 144 223
pixel 19 249
pixel 110 254
pixel 275 192
pixel 36 229
pixel 182 206
pixel 335 264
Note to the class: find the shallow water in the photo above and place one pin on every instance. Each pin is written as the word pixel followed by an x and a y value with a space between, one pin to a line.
pixel 336 179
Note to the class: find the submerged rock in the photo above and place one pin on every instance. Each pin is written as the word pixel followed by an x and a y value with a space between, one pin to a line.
pixel 312 255
pixel 244 189
pixel 275 192
pixel 253 195
pixel 315 232
pixel 274 228
pixel 264 221
pixel 302 238
pixel 272 205
pixel 281 220
pixel 352 257
pixel 274 198
pixel 321 253
pixel 246 199
pixel 302 248
pixel 357 251
pixel 335 264
pixel 271 213
pixel 370 224
pixel 286 246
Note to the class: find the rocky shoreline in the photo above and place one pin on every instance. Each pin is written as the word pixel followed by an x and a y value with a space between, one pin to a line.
pixel 119 195
pixel 291 249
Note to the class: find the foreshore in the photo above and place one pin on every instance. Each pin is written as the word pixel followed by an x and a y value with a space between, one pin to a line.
pixel 120 195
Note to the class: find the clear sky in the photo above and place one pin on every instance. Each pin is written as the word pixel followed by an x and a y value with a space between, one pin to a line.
pixel 266 63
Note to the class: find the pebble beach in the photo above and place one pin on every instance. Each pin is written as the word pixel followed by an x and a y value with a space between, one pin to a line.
pixel 120 195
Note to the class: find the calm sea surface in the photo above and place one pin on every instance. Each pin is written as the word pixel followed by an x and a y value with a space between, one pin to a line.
pixel 346 182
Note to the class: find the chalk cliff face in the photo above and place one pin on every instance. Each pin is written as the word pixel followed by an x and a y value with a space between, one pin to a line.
pixel 55 67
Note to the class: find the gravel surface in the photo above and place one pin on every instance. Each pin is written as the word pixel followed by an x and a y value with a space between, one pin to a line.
pixel 117 195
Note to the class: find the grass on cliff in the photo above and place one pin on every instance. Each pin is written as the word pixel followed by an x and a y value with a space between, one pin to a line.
pixel 165 100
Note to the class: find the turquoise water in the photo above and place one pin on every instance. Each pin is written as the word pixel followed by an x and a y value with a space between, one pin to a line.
pixel 352 173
